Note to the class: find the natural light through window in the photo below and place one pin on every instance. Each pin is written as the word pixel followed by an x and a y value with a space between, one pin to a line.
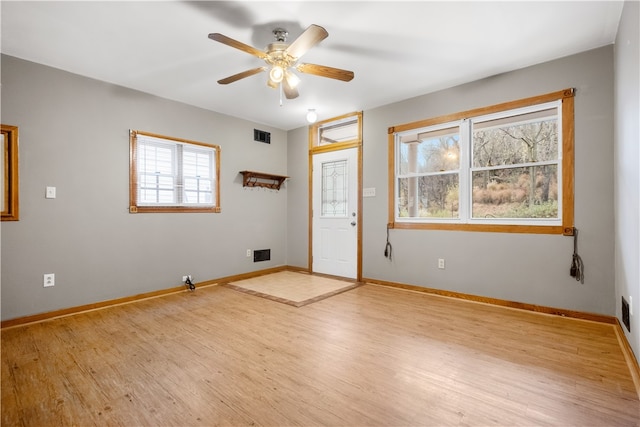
pixel 493 169
pixel 173 175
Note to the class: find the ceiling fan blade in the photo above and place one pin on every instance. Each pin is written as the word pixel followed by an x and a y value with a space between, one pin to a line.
pixel 313 35
pixel 238 45
pixel 324 71
pixel 241 75
pixel 290 91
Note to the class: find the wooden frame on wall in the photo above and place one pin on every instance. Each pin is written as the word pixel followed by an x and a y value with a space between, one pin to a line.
pixel 10 188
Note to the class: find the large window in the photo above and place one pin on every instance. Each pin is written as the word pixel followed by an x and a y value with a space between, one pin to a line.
pixel 507 168
pixel 173 175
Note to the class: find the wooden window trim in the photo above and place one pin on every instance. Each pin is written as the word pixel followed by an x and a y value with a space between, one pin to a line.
pixel 133 178
pixel 568 151
pixel 10 192
pixel 314 144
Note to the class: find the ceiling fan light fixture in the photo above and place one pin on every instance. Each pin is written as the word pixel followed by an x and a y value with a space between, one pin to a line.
pixel 292 80
pixel 276 74
pixel 312 116
pixel 281 57
pixel 272 84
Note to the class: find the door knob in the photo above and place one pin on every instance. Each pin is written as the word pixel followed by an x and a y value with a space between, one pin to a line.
pixel 353 223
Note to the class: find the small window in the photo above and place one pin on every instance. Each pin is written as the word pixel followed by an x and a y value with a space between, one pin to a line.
pixel 173 175
pixel 337 133
pixel 505 168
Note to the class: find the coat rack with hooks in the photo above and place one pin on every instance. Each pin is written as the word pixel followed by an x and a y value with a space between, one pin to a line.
pixel 262 179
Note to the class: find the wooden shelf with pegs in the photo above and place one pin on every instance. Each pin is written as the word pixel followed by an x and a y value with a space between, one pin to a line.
pixel 262 179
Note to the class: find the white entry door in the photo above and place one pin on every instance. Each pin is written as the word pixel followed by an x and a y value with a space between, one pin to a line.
pixel 335 213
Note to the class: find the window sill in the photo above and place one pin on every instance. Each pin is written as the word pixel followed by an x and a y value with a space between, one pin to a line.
pixel 173 209
pixel 489 228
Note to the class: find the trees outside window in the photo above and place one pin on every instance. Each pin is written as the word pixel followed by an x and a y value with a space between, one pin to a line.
pixel 502 168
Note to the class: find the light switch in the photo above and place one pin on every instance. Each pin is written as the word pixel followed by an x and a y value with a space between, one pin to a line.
pixel 51 193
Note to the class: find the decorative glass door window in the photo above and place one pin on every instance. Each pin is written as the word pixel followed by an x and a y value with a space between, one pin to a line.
pixel 334 189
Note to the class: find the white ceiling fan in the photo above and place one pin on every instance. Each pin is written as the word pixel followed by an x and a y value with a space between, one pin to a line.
pixel 282 59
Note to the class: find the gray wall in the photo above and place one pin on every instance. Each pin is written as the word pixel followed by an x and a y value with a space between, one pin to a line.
pixel 74 136
pixel 298 198
pixel 517 267
pixel 627 167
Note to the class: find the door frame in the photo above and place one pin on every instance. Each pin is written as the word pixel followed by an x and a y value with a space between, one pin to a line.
pixel 316 148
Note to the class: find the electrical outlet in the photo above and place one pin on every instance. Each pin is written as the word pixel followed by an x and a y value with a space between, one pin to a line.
pixel 184 278
pixel 441 263
pixel 248 253
pixel 49 280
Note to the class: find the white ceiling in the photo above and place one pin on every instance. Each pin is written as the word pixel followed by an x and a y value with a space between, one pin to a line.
pixel 397 50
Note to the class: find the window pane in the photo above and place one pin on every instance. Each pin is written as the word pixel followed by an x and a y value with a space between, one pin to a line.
pixel 197 197
pixel 529 192
pixel 434 196
pixel 148 196
pixel 149 186
pixel 198 190
pixel 156 181
pixel 190 197
pixel 434 151
pixel 197 169
pixel 166 196
pixel 334 189
pixel 155 158
pixel 196 184
pixel 526 138
pixel 5 149
pixel 197 163
pixel 173 173
pixel 166 182
pixel 156 172
pixel 339 131
pixel 156 196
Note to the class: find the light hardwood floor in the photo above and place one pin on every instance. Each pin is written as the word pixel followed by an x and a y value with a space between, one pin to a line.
pixel 370 356
pixel 293 287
